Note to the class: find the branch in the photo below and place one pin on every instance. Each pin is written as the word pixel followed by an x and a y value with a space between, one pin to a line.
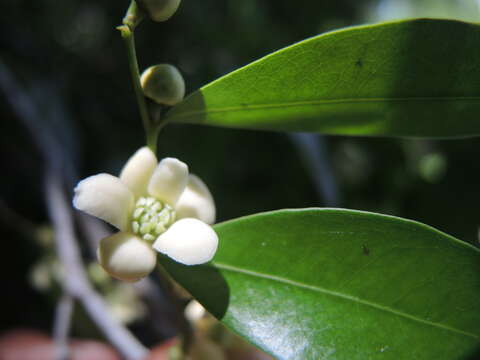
pixel 75 278
pixel 26 110
pixel 61 327
pixel 93 230
pixel 75 281
pixel 314 154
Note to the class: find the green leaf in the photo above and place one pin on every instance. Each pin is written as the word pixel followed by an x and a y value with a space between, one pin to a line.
pixel 341 284
pixel 418 78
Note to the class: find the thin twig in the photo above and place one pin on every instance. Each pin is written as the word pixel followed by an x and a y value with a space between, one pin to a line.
pixel 61 326
pixel 93 230
pixel 27 112
pixel 314 154
pixel 75 281
pixel 150 132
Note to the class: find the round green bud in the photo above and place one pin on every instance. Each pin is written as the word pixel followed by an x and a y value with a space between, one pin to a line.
pixel 160 10
pixel 163 84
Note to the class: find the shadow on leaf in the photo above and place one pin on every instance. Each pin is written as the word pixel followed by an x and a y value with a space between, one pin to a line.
pixel 204 282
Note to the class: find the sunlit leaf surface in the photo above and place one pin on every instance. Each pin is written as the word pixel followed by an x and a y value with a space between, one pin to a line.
pixel 415 78
pixel 342 284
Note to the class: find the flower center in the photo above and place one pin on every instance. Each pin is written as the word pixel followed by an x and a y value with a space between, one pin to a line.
pixel 151 217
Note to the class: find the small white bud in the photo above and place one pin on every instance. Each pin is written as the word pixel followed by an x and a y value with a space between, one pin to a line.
pixel 194 311
pixel 163 84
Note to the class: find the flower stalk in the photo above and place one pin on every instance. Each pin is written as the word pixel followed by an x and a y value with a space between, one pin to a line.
pixel 162 83
pixel 127 34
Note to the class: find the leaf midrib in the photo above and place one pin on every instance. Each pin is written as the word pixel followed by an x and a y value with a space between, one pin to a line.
pixel 322 102
pixel 344 296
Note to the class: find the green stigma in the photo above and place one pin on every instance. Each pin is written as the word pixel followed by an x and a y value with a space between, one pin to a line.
pixel 151 218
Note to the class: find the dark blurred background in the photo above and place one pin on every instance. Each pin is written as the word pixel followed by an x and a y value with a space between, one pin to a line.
pixel 70 60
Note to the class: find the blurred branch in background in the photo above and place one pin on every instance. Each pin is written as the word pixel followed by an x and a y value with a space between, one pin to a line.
pixel 313 152
pixel 75 280
pixel 61 326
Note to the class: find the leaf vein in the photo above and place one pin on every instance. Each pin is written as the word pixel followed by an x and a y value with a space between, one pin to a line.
pixel 346 297
pixel 322 102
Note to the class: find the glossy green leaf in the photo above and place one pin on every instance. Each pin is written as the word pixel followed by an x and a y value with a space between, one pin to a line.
pixel 416 78
pixel 341 284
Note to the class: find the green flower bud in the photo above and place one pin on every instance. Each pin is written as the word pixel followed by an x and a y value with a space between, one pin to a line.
pixel 160 10
pixel 163 84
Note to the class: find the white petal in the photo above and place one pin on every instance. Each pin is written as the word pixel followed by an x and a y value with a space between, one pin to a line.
pixel 137 171
pixel 126 257
pixel 105 197
pixel 196 202
pixel 169 180
pixel 188 241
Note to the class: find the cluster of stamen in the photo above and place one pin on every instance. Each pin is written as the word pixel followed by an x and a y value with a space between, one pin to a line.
pixel 151 218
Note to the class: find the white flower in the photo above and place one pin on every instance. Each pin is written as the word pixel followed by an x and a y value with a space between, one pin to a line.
pixel 155 206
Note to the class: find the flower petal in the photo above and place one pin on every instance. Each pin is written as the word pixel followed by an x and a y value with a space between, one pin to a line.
pixel 169 180
pixel 105 197
pixel 188 241
pixel 196 202
pixel 126 257
pixel 137 171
